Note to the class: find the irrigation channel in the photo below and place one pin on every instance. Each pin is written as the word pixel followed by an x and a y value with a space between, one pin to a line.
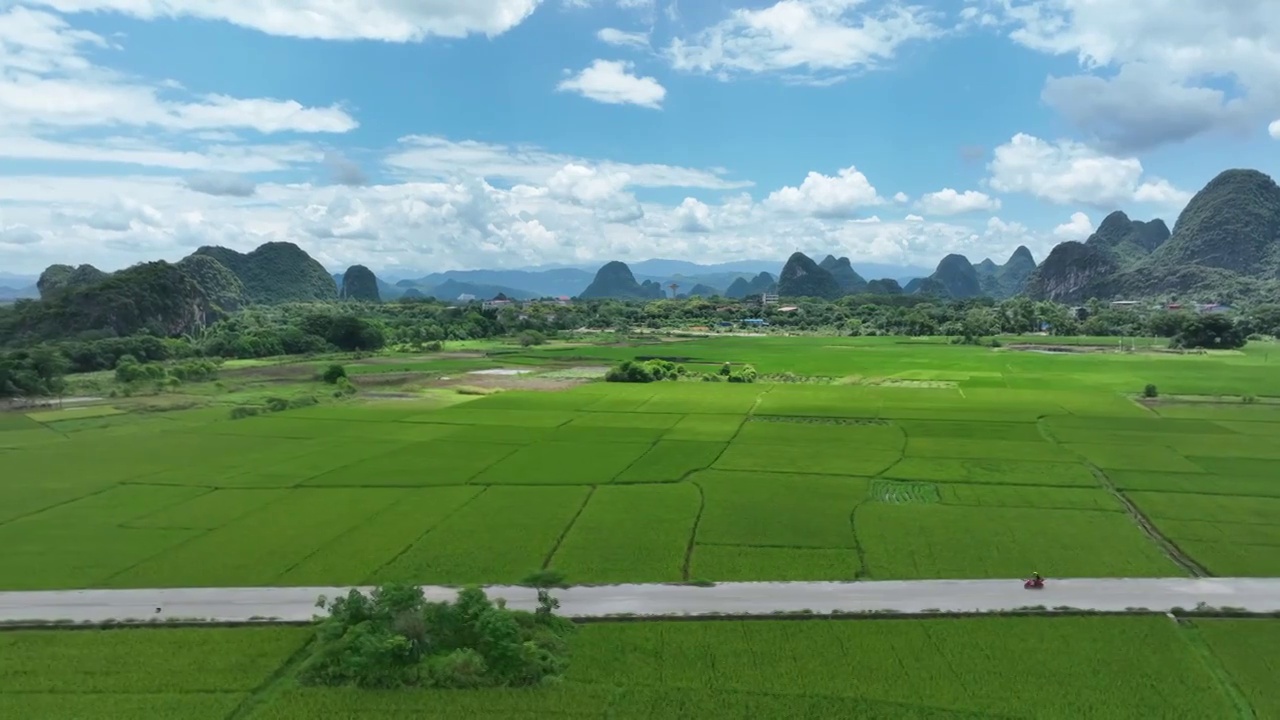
pixel 923 597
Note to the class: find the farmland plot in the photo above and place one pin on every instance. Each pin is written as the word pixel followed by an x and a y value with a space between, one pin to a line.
pixel 439 462
pixel 1197 483
pixel 1250 652
pixel 563 463
pixel 145 673
pixel 502 535
pixel 630 534
pixel 952 541
pixel 669 461
pixel 358 554
pixel 1229 535
pixel 1004 472
pixel 766 509
pixel 1157 458
pixel 257 548
pixel 807 458
pixel 743 563
pixel 706 428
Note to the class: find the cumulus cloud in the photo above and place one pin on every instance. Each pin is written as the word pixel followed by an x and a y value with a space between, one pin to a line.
pixel 47 81
pixel 613 82
pixel 1155 71
pixel 1274 129
pixel 693 216
pixel 901 198
pixel 1079 227
pixel 1067 172
pixel 222 183
pixel 386 20
pixel 614 36
pixel 821 195
pixel 948 201
pixel 813 40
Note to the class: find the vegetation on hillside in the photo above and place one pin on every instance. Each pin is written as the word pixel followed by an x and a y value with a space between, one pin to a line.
pixel 842 270
pixel 802 278
pixel 276 272
pixel 395 638
pixel 615 280
pixel 359 284
pixel 221 286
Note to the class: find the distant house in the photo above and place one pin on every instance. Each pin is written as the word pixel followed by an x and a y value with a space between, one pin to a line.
pixel 1173 306
pixel 789 308
pixel 564 300
pixel 756 322
pixel 499 300
pixel 1124 304
pixel 768 299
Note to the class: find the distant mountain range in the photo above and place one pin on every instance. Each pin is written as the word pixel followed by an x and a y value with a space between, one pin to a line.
pixel 1224 247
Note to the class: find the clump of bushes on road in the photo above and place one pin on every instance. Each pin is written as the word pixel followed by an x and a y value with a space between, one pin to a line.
pixel 395 638
pixel 333 374
pixel 1150 391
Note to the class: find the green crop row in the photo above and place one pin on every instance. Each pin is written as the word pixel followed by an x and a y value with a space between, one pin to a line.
pixel 1056 668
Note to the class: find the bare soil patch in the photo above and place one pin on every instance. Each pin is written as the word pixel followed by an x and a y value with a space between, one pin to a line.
pixel 507 382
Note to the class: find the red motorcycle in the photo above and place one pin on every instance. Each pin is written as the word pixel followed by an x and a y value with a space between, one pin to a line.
pixel 1036 583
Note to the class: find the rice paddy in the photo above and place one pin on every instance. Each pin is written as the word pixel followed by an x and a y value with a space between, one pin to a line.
pixel 892 461
pixel 1045 462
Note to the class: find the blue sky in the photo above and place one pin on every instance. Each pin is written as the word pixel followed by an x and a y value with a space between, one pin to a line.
pixel 441 134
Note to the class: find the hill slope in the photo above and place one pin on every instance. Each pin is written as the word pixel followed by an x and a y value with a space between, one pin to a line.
pixel 360 284
pixel 614 280
pixel 802 277
pixel 276 272
pixel 848 278
pixel 955 277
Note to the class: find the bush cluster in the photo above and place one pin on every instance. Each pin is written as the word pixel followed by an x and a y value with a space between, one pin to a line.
pixel 130 371
pixel 394 638
pixel 634 371
pixel 744 374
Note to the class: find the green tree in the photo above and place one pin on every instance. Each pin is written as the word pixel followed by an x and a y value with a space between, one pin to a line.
pixel 1212 331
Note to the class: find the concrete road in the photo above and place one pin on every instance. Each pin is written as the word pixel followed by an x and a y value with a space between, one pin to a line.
pixel 912 596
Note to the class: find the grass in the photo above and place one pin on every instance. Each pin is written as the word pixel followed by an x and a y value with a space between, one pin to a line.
pixel 1065 667
pixel 1008 465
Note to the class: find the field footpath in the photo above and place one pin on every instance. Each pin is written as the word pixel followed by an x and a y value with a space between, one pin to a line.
pixel 907 597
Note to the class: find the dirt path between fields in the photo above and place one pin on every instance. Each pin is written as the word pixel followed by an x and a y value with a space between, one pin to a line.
pixel 923 597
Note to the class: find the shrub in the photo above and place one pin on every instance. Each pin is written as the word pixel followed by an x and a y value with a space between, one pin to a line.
pixel 334 373
pixel 395 638
pixel 275 404
pixel 304 401
pixel 532 337
pixel 545 579
pixel 1150 391
pixel 433 346
pixel 642 372
pixel 1249 399
pixel 344 388
pixel 241 412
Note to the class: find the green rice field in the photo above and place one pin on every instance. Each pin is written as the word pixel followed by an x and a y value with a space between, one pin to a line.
pixel 910 460
pixel 950 668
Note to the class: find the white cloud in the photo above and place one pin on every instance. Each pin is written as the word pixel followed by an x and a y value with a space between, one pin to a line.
pixel 1078 228
pixel 827 196
pixel 693 216
pixel 386 20
pixel 586 185
pixel 901 198
pixel 1067 172
pixel 816 39
pixel 19 235
pixel 1155 71
pixel 948 201
pixel 612 82
pixel 446 224
pixel 47 81
pixel 436 158
pixel 614 36
pixel 1274 129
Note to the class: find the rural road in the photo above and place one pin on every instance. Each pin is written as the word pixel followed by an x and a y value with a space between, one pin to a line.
pixel 910 596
